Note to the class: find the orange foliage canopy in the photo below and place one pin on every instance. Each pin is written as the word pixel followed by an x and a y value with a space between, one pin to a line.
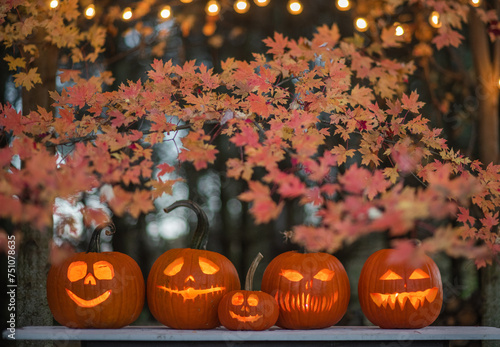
pixel 329 122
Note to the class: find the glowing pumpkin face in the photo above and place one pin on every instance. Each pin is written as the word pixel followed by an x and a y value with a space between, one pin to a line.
pixel 186 285
pixel 312 289
pixel 248 310
pixel 96 290
pixel 394 294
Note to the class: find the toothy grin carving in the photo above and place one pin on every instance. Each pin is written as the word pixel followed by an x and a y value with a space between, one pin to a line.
pixel 250 319
pixel 190 292
pixel 416 299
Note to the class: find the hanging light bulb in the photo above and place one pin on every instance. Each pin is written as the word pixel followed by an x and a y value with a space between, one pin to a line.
pixel 53 3
pixel 241 6
pixel 343 5
pixel 166 12
pixel 295 7
pixel 261 3
pixel 475 3
pixel 361 24
pixel 212 8
pixel 90 11
pixel 399 29
pixel 127 13
pixel 435 19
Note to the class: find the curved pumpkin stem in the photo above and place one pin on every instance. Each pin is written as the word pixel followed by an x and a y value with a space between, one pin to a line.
pixel 251 271
pixel 95 240
pixel 200 236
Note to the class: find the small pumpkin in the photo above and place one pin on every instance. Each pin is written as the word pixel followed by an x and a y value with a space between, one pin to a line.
pixel 96 290
pixel 185 285
pixel 312 289
pixel 248 309
pixel 395 293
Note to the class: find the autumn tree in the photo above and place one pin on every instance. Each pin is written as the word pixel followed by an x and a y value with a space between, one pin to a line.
pixel 327 122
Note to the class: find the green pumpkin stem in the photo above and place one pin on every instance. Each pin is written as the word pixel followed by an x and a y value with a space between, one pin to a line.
pixel 95 240
pixel 200 236
pixel 251 272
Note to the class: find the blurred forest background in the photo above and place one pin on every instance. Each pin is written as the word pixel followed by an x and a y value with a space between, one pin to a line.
pixel 444 80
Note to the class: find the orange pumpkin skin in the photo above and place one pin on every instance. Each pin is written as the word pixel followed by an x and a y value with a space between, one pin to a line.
pixel 312 290
pixel 186 285
pixel 395 294
pixel 248 310
pixel 96 290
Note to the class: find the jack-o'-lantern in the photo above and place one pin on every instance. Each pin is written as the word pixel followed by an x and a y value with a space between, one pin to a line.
pixel 400 294
pixel 96 290
pixel 185 285
pixel 312 289
pixel 248 309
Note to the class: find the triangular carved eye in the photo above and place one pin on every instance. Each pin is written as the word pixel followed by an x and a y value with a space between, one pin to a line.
pixel 418 274
pixel 208 267
pixel 324 275
pixel 174 267
pixel 390 275
pixel 291 275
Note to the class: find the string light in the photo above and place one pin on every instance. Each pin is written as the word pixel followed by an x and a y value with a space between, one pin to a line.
pixel 475 3
pixel 361 24
pixel 53 3
pixel 241 6
pixel 399 30
pixel 435 19
pixel 127 13
pixel 166 12
pixel 295 7
pixel 261 3
pixel 90 11
pixel 343 5
pixel 212 8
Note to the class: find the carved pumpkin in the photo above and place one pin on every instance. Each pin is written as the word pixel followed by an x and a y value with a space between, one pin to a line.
pixel 247 309
pixel 397 294
pixel 312 289
pixel 96 290
pixel 185 285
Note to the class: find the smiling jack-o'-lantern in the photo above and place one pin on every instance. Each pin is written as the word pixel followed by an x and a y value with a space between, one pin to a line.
pixel 312 289
pixel 96 290
pixel 248 309
pixel 400 294
pixel 185 285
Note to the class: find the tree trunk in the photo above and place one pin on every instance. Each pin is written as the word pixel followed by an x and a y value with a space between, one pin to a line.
pixel 33 257
pixel 487 65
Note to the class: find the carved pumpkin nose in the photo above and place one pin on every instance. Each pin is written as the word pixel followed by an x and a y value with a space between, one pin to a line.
pixel 189 278
pixel 89 279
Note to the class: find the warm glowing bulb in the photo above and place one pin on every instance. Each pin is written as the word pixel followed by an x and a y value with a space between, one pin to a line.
pixel 166 12
pixel 127 13
pixel 53 3
pixel 212 8
pixel 261 3
pixel 343 5
pixel 295 7
pixel 90 11
pixel 475 3
pixel 398 29
pixel 241 6
pixel 435 19
pixel 186 1
pixel 361 24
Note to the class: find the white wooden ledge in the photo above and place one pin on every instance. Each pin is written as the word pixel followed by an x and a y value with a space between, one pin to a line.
pixel 157 334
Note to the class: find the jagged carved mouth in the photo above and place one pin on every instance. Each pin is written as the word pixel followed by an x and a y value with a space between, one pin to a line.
pixel 249 319
pixel 416 299
pixel 88 303
pixel 305 302
pixel 191 293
